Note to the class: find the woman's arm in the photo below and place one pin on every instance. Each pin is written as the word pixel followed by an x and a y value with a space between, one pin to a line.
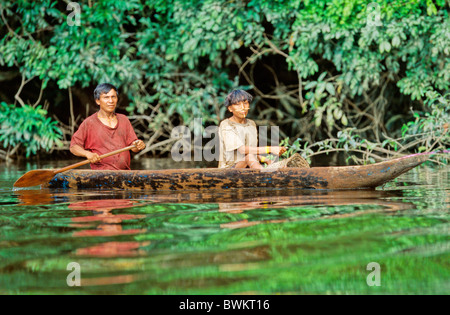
pixel 261 150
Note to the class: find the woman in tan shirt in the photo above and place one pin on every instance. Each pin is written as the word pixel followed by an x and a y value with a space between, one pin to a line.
pixel 239 138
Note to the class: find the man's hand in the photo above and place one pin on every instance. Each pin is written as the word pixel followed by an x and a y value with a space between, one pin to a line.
pixel 139 144
pixel 93 157
pixel 79 151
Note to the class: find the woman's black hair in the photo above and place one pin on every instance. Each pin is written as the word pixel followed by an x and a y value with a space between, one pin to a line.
pixel 104 88
pixel 237 96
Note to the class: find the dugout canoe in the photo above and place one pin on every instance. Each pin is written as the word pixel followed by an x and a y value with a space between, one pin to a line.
pixel 341 177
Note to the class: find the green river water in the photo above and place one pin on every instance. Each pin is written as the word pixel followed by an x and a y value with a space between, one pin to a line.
pixel 246 242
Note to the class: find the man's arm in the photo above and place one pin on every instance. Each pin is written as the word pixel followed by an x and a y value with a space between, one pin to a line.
pixel 79 151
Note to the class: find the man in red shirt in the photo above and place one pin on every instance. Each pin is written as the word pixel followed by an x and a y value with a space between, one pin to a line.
pixel 105 131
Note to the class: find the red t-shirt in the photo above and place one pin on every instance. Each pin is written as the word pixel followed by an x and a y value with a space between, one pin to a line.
pixel 94 136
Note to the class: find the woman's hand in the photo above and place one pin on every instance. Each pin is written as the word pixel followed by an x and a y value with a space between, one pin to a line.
pixel 265 159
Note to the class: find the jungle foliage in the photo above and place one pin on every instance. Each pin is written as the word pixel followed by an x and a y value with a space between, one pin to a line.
pixel 352 75
pixel 27 126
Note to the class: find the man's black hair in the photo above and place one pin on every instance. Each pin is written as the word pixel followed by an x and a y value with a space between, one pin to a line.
pixel 237 96
pixel 104 88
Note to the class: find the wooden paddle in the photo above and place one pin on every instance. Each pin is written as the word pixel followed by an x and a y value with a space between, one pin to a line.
pixel 38 177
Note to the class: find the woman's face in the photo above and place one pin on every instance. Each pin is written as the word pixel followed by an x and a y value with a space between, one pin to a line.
pixel 240 110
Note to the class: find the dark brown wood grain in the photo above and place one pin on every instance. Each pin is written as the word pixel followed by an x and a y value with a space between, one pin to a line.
pixel 344 177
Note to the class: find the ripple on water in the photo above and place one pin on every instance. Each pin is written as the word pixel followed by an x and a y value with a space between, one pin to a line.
pixel 261 241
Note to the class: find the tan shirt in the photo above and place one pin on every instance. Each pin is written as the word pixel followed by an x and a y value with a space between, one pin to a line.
pixel 232 136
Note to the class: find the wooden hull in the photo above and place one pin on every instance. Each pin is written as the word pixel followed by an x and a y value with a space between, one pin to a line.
pixel 344 177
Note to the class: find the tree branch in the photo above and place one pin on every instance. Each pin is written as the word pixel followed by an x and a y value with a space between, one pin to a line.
pixel 22 84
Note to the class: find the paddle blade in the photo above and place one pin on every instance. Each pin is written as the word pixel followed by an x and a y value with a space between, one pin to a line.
pixel 35 178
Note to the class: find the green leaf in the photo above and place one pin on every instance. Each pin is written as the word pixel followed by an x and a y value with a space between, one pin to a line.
pixel 330 88
pixel 396 41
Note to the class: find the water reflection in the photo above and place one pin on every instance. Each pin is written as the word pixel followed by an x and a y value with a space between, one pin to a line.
pixel 107 224
pixel 110 224
pixel 102 223
pixel 232 202
pixel 239 200
pixel 34 197
pixel 315 198
pixel 228 242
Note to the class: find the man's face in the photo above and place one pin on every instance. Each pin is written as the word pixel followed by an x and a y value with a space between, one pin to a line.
pixel 108 101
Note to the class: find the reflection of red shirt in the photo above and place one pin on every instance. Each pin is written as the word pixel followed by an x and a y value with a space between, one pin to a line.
pixel 102 204
pixel 98 138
